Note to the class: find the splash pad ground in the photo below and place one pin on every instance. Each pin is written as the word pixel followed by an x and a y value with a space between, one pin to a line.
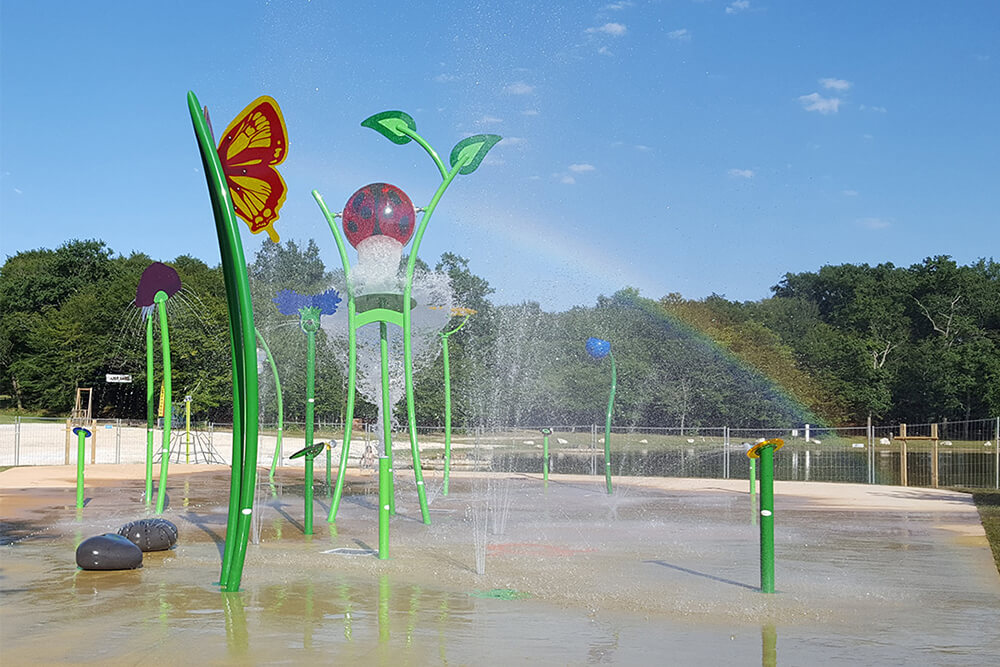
pixel 663 571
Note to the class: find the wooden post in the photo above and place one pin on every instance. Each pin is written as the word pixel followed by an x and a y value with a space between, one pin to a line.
pixel 934 455
pixel 902 455
pixel 69 427
pixel 93 441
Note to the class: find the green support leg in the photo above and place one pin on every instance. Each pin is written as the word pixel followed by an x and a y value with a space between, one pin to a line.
pixel 281 407
pixel 310 416
pixel 150 411
pixel 447 414
pixel 387 411
pixel 384 492
pixel 545 459
pixel 307 522
pixel 753 490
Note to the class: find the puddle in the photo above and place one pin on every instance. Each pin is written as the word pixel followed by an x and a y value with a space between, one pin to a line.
pixel 579 577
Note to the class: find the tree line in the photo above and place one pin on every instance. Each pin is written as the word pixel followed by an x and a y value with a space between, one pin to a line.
pixel 835 346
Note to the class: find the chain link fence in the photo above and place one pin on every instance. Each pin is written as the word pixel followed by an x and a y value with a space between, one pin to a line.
pixel 963 453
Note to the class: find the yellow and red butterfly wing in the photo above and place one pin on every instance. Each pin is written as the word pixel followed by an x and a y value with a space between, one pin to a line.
pixel 250 147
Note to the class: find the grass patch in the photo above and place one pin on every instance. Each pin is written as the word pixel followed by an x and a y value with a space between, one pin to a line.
pixel 988 503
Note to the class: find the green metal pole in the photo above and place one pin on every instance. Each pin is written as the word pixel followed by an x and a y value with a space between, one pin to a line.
pixel 545 458
pixel 765 450
pixel 161 491
pixel 386 415
pixel 150 410
pixel 81 454
pixel 384 493
pixel 309 326
pixel 308 494
pixel 281 407
pixel 447 400
pixel 352 381
pixel 329 466
pixel 753 489
pixel 187 429
pixel 447 413
pixel 607 424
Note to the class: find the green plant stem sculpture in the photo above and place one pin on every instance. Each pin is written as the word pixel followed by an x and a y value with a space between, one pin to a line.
pixel 281 406
pixel 309 320
pixel 161 489
pixel 244 352
pixel 607 424
pixel 447 401
pixel 465 157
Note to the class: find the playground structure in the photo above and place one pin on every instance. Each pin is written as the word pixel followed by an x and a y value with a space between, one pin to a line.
pixel 158 283
pixel 378 220
pixel 249 149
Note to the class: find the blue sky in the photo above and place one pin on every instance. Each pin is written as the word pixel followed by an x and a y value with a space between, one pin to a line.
pixel 685 146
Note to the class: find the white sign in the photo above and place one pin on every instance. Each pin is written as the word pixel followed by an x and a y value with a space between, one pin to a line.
pixel 123 379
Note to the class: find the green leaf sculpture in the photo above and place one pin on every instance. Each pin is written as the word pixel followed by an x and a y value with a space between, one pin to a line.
pixel 472 150
pixel 389 123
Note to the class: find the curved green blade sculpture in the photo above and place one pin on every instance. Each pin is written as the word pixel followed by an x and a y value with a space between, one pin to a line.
pixel 244 354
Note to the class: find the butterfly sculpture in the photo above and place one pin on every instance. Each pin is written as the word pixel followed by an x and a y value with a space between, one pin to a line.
pixel 252 145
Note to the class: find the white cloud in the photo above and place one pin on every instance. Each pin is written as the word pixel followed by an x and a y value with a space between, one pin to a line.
pixel 864 107
pixel 616 6
pixel 839 85
pixel 18 191
pixel 741 173
pixel 566 179
pixel 738 6
pixel 581 168
pixel 445 78
pixel 849 193
pixel 604 51
pixel 530 112
pixel 681 35
pixel 643 148
pixel 513 141
pixel 613 29
pixel 874 223
pixel 519 88
pixel 489 120
pixel 816 102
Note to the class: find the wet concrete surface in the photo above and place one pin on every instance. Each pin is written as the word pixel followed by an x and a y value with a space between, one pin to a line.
pixel 658 573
